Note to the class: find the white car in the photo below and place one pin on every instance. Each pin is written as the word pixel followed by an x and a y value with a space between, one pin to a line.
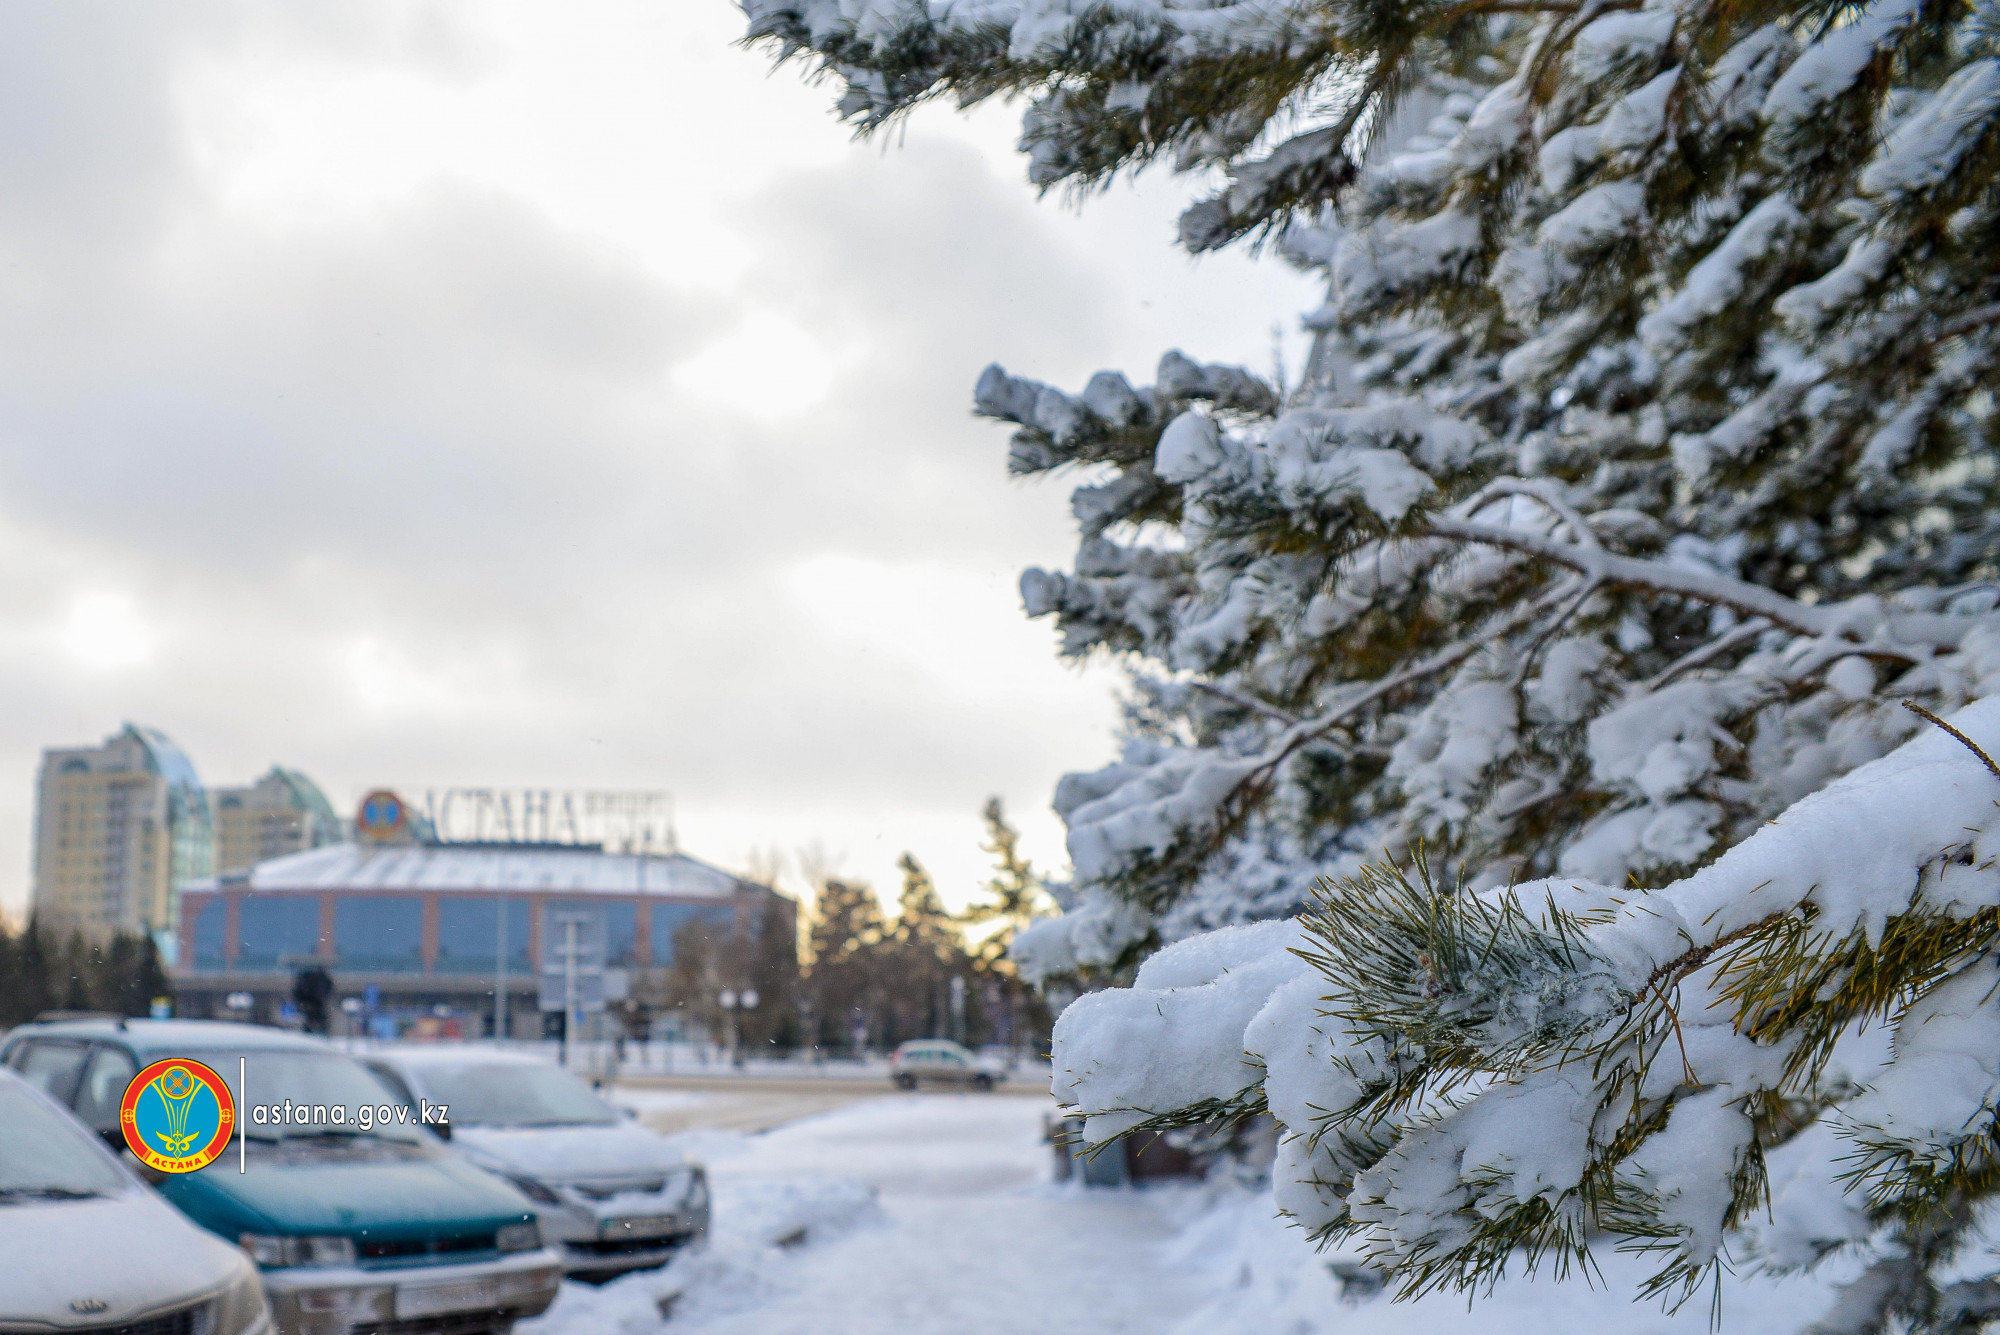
pixel 87 1247
pixel 612 1195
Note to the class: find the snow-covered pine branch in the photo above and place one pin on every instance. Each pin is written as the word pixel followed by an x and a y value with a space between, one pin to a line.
pixel 1111 85
pixel 1463 1076
pixel 1644 466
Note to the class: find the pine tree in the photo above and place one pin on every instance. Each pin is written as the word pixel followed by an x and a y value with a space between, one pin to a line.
pixel 926 953
pixel 773 967
pixel 922 924
pixel 1644 469
pixel 694 981
pixel 846 928
pixel 30 993
pixel 76 969
pixel 1016 896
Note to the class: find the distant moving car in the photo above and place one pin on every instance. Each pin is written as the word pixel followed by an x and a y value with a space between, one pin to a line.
pixel 86 1248
pixel 379 1229
pixel 944 1062
pixel 612 1195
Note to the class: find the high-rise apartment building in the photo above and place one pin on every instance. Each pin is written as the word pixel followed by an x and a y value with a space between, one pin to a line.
pixel 118 829
pixel 283 812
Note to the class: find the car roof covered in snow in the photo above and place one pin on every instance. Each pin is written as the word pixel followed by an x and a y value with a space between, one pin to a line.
pixel 452 1054
pixel 168 1037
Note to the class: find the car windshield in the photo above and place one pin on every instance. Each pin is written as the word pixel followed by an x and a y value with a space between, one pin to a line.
pixel 44 1155
pixel 513 1094
pixel 310 1094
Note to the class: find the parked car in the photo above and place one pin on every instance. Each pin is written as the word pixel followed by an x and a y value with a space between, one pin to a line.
pixel 87 1248
pixel 360 1225
pixel 612 1195
pixel 943 1062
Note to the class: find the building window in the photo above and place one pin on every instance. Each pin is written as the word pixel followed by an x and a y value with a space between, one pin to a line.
pixel 211 926
pixel 711 922
pixel 621 927
pixel 469 931
pixel 379 933
pixel 276 930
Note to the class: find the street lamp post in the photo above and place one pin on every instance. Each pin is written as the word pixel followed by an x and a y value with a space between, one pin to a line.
pixel 731 1002
pixel 570 1012
pixel 500 975
pixel 747 999
pixel 808 1031
pixel 728 1003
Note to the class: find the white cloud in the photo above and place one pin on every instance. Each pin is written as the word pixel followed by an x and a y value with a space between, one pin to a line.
pixel 390 682
pixel 956 629
pixel 105 633
pixel 767 368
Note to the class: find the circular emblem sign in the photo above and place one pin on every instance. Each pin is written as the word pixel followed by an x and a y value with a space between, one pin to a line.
pixel 381 817
pixel 177 1115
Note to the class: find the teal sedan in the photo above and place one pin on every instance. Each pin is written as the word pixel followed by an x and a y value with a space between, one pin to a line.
pixel 357 1217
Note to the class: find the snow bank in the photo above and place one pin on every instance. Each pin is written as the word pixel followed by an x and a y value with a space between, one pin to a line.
pixel 1263 1277
pixel 762 1228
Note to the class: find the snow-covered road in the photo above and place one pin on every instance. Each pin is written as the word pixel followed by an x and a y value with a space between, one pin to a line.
pixel 963 1235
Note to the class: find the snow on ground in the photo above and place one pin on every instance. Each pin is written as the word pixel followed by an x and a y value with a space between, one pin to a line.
pixel 922 1214
pixel 1260 1277
pixel 929 1214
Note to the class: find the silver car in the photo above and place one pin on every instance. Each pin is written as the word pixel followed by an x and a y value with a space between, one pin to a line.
pixel 86 1247
pixel 941 1061
pixel 613 1196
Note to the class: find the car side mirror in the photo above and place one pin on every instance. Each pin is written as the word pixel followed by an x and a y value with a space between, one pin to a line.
pixel 443 1130
pixel 114 1137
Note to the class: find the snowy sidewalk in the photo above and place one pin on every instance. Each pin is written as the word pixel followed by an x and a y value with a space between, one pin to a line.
pixel 963 1236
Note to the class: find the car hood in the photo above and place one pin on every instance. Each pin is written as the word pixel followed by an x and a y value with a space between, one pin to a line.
pixel 569 1153
pixel 382 1190
pixel 59 1252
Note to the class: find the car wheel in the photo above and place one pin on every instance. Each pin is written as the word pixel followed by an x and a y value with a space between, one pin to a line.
pixel 904 1080
pixel 983 1083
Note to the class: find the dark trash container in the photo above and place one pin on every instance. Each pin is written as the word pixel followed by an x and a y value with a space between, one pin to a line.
pixel 1139 1158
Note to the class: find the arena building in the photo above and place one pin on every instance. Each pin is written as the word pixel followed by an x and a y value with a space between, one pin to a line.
pixel 415 929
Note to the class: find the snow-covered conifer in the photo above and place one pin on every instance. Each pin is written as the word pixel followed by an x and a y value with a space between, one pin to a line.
pixel 1644 470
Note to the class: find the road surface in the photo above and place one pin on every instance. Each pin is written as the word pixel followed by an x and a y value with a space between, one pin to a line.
pixel 671 1104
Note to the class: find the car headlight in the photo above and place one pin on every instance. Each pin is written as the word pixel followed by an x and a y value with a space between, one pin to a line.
pixel 696 1199
pixel 241 1309
pixel 519 1237
pixel 535 1191
pixel 277 1253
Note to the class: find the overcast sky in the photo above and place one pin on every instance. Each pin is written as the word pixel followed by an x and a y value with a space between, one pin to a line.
pixel 528 394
